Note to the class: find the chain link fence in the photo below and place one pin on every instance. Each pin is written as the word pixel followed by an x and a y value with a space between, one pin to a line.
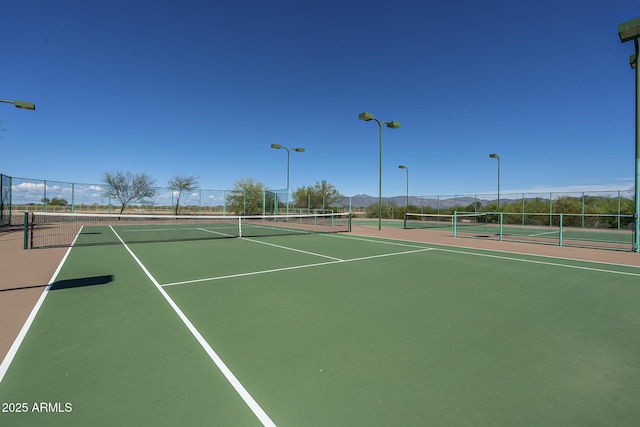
pixel 18 195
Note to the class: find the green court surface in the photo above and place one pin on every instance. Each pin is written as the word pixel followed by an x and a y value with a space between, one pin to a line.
pixel 327 330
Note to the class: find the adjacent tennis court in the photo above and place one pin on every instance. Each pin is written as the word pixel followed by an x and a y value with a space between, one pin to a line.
pixel 330 329
pixel 592 231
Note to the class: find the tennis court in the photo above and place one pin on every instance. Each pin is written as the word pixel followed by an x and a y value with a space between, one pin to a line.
pixel 334 329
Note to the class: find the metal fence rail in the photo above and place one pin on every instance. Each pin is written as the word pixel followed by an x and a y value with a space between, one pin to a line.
pixel 581 230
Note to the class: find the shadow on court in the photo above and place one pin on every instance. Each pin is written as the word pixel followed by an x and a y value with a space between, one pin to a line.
pixel 69 283
pixel 11 229
pixel 81 282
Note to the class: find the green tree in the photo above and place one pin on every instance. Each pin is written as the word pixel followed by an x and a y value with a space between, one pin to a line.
pixel 58 202
pixel 247 197
pixel 323 195
pixel 400 211
pixel 54 202
pixel 128 188
pixel 180 184
pixel 568 205
pixel 388 209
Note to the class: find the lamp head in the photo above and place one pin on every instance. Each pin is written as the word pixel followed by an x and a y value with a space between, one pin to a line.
pixel 276 146
pixel 366 116
pixel 393 125
pixel 20 104
pixel 629 30
pixel 24 105
pixel 299 150
pixel 494 156
pixel 402 167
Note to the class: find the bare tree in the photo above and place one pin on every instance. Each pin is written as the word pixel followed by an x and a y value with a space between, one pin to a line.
pixel 182 183
pixel 127 187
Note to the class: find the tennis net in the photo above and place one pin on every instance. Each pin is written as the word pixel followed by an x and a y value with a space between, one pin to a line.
pixel 67 229
pixel 443 221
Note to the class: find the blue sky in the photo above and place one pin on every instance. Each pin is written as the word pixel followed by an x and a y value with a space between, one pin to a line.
pixel 205 87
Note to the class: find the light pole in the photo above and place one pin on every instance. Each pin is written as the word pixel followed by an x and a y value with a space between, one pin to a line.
pixel 299 150
pixel 407 169
pixel 393 125
pixel 630 30
pixel 21 104
pixel 495 156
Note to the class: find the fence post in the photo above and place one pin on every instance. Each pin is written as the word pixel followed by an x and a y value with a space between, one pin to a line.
pixel 224 203
pixel 583 209
pixel 560 238
pixel 618 209
pixel 44 199
pixel 455 223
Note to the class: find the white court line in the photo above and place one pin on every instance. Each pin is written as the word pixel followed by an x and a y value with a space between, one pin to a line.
pixel 214 232
pixel 364 239
pixel 153 230
pixel 504 257
pixel 542 234
pixel 292 249
pixel 4 366
pixel 296 267
pixel 235 383
pixel 533 261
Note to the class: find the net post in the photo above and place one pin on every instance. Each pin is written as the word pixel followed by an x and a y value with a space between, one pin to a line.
pixel 500 216
pixel 25 243
pixel 404 223
pixel 239 226
pixel 560 232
